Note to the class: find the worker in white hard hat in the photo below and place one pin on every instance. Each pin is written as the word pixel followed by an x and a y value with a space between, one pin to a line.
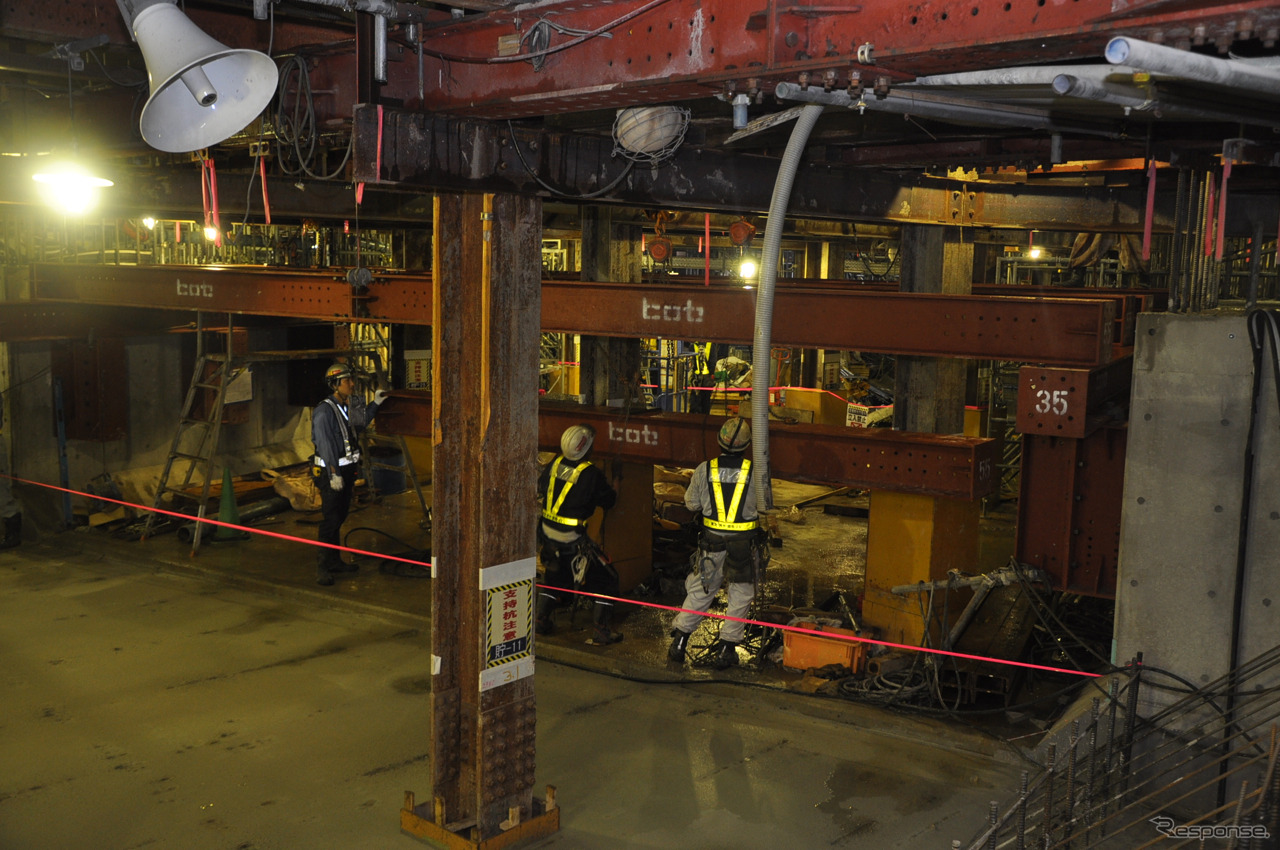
pixel 729 550
pixel 336 425
pixel 570 488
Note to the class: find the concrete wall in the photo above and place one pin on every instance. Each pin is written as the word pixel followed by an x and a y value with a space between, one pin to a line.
pixel 1183 498
pixel 155 380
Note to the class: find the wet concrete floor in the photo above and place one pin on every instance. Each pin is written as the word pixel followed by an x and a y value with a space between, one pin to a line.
pixel 154 699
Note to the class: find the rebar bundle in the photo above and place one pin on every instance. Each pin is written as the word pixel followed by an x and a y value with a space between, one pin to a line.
pixel 1200 772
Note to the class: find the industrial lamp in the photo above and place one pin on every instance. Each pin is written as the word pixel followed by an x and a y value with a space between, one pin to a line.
pixel 202 91
pixel 69 187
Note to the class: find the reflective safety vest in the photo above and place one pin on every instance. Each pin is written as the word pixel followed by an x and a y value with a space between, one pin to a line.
pixel 724 519
pixel 551 503
pixel 350 446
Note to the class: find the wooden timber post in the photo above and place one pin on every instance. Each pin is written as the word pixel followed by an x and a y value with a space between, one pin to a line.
pixel 486 312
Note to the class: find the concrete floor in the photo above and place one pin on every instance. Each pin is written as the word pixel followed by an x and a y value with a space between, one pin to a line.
pixel 153 699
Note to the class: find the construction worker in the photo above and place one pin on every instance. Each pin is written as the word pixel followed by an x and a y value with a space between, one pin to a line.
pixel 10 511
pixel 729 549
pixel 336 425
pixel 570 488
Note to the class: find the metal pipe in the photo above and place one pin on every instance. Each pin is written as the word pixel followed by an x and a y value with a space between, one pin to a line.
pixel 1050 765
pixel 1033 75
pixel 1133 97
pixel 1135 53
pixel 763 336
pixel 380 48
pixel 943 108
pixel 398 12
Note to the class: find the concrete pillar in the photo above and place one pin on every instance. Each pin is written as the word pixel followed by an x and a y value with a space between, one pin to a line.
pixel 1184 501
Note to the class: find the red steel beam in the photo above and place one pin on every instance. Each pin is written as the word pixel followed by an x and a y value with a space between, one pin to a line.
pixel 1061 332
pixel 24 321
pixel 302 294
pixel 1069 509
pixel 1071 402
pixel 951 466
pixel 681 49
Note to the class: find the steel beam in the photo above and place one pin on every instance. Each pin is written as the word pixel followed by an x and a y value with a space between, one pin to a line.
pixel 1069 509
pixel 24 321
pixel 936 465
pixel 662 52
pixel 1056 331
pixel 260 292
pixel 1072 402
pixel 398 149
pixel 1059 331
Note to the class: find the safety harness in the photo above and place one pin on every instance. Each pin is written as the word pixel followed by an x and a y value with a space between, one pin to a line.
pixel 552 503
pixel 724 519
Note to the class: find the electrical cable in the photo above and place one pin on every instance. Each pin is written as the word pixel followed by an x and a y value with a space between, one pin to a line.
pixel 553 190
pixel 296 128
pixel 525 57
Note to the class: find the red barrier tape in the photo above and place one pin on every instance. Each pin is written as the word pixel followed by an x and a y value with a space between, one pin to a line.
pixel 672 608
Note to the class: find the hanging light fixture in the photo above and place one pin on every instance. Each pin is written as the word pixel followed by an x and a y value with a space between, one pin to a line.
pixel 69 187
pixel 64 182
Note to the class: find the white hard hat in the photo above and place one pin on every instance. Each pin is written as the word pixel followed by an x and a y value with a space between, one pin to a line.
pixel 576 441
pixel 735 435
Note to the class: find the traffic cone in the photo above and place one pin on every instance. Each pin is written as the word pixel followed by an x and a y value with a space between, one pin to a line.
pixel 228 512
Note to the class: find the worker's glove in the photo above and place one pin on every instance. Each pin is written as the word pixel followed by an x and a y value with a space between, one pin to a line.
pixel 335 483
pixel 379 396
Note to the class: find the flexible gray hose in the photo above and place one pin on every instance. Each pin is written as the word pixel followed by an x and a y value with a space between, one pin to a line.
pixel 763 337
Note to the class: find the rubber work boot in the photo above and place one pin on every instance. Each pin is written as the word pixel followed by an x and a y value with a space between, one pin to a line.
pixel 679 644
pixel 344 567
pixel 542 625
pixel 603 636
pixel 12 532
pixel 323 576
pixel 726 656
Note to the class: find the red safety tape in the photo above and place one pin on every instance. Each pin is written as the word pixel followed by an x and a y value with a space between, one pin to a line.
pixel 673 608
pixel 219 523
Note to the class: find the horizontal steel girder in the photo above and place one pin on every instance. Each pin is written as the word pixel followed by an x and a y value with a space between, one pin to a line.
pixel 682 49
pixel 933 464
pixel 1060 331
pixel 1057 331
pixel 410 150
pixel 24 321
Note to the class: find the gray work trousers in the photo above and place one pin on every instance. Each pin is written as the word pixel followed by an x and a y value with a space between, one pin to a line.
pixel 740 593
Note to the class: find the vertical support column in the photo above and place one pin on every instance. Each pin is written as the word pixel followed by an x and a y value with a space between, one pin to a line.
pixel 913 538
pixel 486 312
pixel 929 391
pixel 609 366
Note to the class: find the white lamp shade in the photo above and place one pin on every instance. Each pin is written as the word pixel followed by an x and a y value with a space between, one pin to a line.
pixel 202 91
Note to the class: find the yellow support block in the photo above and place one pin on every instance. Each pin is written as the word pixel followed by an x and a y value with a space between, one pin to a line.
pixel 913 538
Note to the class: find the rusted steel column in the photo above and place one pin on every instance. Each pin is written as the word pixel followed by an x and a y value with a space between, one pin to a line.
pixel 485 318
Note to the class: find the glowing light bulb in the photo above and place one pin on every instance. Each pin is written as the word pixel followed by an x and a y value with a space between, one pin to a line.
pixel 747 269
pixel 149 223
pixel 211 233
pixel 1034 253
pixel 70 188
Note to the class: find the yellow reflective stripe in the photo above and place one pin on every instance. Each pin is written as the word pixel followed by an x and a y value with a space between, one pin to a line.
pixel 552 513
pixel 728 526
pixel 723 523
